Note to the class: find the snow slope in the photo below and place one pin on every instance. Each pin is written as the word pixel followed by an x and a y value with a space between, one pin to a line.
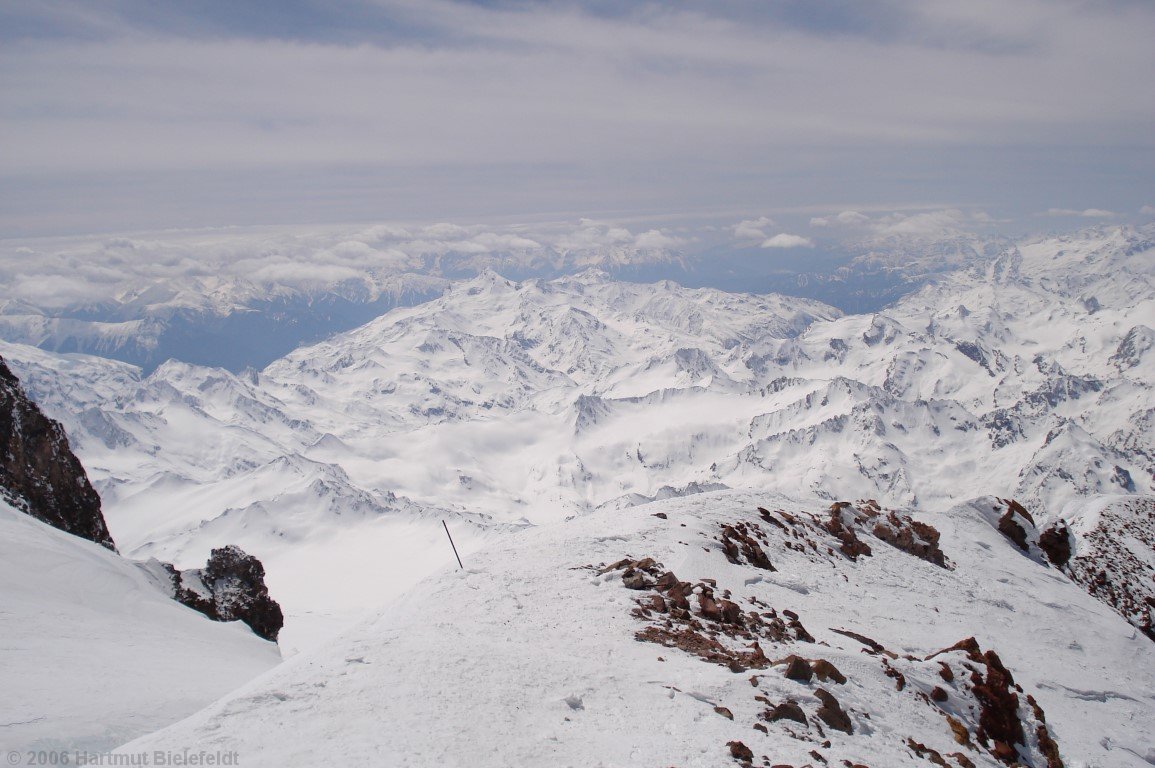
pixel 529 657
pixel 94 652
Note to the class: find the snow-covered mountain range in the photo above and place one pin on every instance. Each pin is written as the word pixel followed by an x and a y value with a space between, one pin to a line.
pixel 542 419
pixel 240 298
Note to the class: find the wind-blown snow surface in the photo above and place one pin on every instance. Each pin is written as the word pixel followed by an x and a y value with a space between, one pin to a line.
pixel 95 653
pixel 1025 374
pixel 529 658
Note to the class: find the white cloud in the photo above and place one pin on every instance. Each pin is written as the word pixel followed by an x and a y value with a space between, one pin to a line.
pixel 852 218
pixel 752 229
pixel 589 234
pixel 303 274
pixel 1087 213
pixel 656 240
pixel 927 224
pixel 1147 210
pixel 786 240
pixel 843 219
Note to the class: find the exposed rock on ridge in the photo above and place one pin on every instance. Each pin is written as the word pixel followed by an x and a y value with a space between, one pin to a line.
pixel 1106 549
pixel 39 474
pixel 231 587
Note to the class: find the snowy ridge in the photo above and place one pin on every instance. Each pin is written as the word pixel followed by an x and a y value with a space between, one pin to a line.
pixel 405 688
pixel 96 652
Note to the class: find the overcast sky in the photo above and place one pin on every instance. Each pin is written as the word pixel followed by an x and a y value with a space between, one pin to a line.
pixel 137 114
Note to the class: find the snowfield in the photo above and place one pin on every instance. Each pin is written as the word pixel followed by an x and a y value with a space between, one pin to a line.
pixel 94 652
pixel 528 657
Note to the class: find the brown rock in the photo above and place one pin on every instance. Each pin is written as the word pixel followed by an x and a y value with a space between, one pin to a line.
pixel 798 668
pixel 999 708
pixel 731 613
pixel 959 731
pixel 831 712
pixel 724 712
pixel 39 473
pixel 709 608
pixel 969 646
pixel 1019 509
pixel 740 751
pixel 1005 753
pixel 1013 531
pixel 787 710
pixel 738 544
pixel 850 545
pixel 1056 543
pixel 1048 747
pixel 633 579
pixel 938 694
pixel 926 753
pixel 655 603
pixel 825 671
pixel 875 647
pixel 800 633
pixel 623 563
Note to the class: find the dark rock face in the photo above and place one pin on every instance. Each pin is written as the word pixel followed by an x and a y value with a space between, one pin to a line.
pixel 787 710
pixel 999 719
pixel 1056 543
pixel 798 668
pixel 231 587
pixel 39 474
pixel 831 712
pixel 1013 529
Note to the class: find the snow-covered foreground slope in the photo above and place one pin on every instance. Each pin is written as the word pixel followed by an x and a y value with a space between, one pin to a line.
pixel 95 653
pixel 1025 374
pixel 540 653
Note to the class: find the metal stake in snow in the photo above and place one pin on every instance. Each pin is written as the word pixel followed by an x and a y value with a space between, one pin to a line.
pixel 459 565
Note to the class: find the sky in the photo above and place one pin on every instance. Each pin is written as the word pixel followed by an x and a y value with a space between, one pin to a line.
pixel 122 115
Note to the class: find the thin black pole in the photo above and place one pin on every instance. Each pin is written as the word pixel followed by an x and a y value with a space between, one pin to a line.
pixel 459 565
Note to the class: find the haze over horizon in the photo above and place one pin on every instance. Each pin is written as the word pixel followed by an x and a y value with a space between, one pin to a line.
pixel 134 116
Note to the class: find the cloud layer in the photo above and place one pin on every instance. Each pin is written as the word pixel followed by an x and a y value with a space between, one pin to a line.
pixel 324 110
pixel 215 266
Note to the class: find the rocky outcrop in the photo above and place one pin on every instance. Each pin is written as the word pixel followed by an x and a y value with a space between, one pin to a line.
pixel 965 695
pixel 1014 524
pixel 39 474
pixel 1104 548
pixel 1111 558
pixel 1056 544
pixel 231 587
